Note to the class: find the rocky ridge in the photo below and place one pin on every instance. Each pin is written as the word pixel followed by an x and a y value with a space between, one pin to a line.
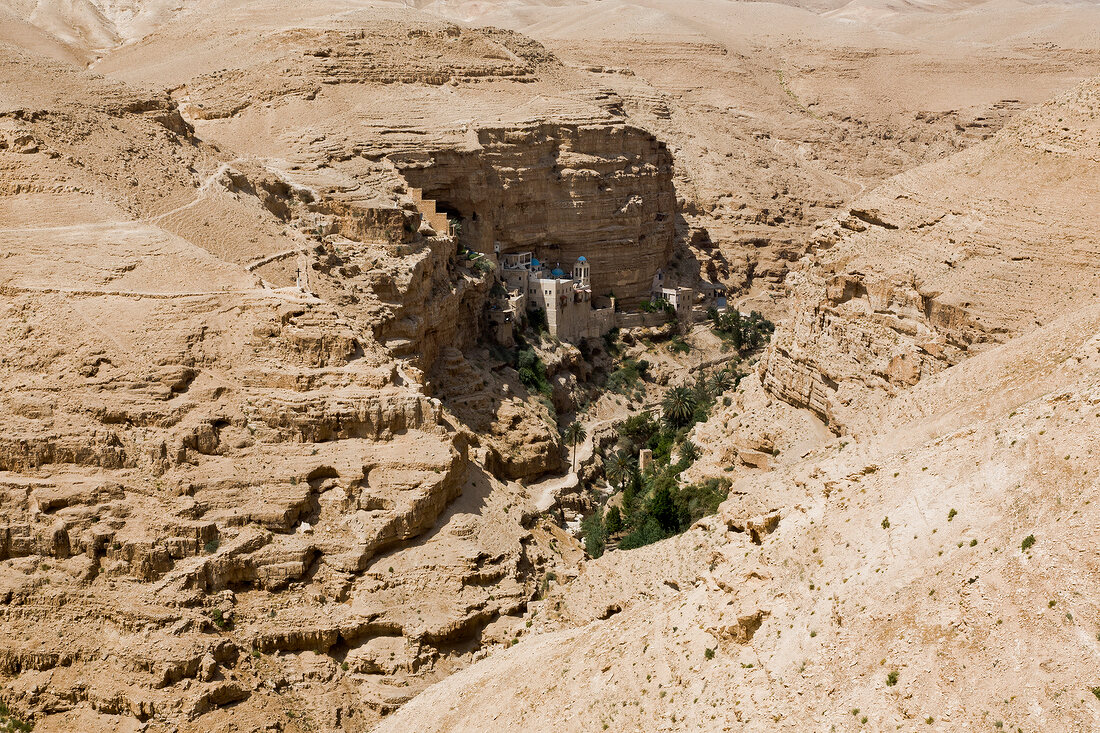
pixel 260 469
pixel 779 116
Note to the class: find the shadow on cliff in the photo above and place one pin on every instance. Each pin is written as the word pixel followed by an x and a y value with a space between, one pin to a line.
pixel 695 253
pixel 473 500
pixel 487 397
pixel 475 494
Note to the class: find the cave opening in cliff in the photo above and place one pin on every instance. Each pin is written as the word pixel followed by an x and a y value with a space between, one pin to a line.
pixel 450 195
pixel 472 231
pixel 453 212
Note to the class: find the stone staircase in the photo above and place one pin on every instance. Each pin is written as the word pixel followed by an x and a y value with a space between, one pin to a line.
pixel 438 220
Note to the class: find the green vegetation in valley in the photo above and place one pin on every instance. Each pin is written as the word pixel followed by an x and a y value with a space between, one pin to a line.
pixel 627 378
pixel 531 369
pixel 746 333
pixel 654 503
pixel 657 305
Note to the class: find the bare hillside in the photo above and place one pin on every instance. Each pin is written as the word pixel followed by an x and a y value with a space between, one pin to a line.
pixel 932 575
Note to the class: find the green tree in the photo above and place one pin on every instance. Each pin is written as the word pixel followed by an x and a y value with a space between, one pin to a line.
pixel 613 522
pixel 628 376
pixel 699 500
pixel 575 432
pixel 734 327
pixel 527 359
pixel 532 372
pixel 536 320
pixel 720 382
pixel 631 495
pixel 727 325
pixel 646 534
pixel 678 406
pixel 638 429
pixel 619 468
pixel 702 389
pixel 595 533
pixel 666 510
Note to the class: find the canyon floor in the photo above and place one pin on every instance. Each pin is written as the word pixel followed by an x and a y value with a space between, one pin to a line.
pixel 271 461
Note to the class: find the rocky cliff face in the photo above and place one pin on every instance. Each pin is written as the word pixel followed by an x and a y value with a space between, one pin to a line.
pixel 256 471
pixel 256 464
pixel 862 337
pixel 775 131
pixel 382 47
pixel 898 577
pixel 416 302
pixel 523 151
pixel 603 191
pixel 699 630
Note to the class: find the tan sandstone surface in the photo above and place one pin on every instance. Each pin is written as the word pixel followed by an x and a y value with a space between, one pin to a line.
pixel 945 261
pixel 222 491
pixel 262 467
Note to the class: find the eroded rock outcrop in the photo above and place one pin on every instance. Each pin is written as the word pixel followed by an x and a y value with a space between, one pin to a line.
pixel 932 267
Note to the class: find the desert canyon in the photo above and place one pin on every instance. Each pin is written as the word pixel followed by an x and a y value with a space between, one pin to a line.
pixel 549 365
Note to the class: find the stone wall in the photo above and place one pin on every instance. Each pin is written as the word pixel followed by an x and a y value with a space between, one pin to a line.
pixel 640 319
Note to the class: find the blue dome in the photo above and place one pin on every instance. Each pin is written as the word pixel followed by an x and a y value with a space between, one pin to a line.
pixel 535 263
pixel 582 258
pixel 557 272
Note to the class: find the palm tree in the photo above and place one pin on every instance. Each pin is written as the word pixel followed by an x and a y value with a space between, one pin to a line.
pixel 619 468
pixel 702 389
pixel 574 432
pixel 678 406
pixel 689 451
pixel 720 382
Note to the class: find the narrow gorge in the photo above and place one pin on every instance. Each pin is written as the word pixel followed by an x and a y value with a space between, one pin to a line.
pixel 376 366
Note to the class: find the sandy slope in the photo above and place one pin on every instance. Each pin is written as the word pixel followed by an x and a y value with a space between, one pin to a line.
pixel 833 601
pixel 778 112
pixel 898 553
